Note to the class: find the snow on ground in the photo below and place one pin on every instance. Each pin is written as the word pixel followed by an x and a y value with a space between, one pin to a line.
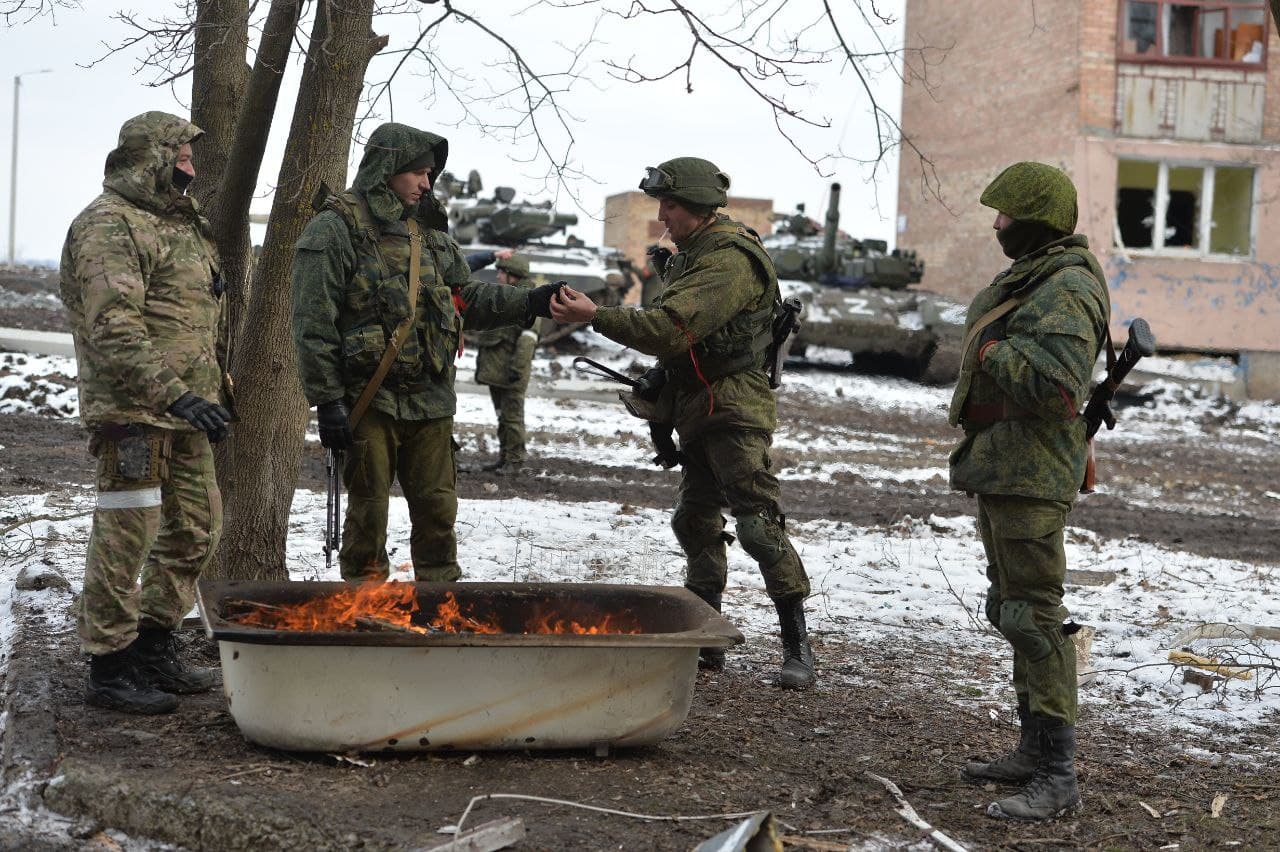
pixel 922 575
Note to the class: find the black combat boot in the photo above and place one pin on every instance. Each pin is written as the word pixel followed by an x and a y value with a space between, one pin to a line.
pixel 1052 790
pixel 114 684
pixel 797 655
pixel 1017 766
pixel 710 658
pixel 156 656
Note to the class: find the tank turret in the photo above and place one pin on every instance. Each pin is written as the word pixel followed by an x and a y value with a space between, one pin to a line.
pixel 858 299
pixel 496 220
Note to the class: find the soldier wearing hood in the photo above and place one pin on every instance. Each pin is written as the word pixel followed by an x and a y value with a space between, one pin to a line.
pixel 139 277
pixel 1032 338
pixel 352 297
pixel 710 328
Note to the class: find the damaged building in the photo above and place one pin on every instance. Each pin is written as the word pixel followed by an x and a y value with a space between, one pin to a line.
pixel 1166 114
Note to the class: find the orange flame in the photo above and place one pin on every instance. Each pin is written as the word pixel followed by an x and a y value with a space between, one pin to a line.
pixel 394 603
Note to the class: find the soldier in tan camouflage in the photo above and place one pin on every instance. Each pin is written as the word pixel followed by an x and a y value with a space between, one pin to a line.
pixel 710 328
pixel 139 277
pixel 503 360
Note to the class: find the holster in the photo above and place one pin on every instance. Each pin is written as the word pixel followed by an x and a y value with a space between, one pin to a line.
pixel 132 451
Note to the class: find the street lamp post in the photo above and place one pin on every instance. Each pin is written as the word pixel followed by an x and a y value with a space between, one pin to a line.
pixel 13 165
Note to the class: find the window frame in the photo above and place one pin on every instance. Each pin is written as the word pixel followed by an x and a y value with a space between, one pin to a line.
pixel 1204 225
pixel 1157 57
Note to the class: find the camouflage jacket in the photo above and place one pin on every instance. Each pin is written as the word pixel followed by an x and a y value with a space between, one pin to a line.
pixel 504 355
pixel 351 289
pixel 718 303
pixel 1041 374
pixel 138 276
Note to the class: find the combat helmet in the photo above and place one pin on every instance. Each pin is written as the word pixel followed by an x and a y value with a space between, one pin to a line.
pixel 1034 192
pixel 516 265
pixel 692 180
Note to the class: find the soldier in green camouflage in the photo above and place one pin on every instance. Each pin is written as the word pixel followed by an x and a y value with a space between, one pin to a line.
pixel 504 358
pixel 710 328
pixel 1032 339
pixel 351 292
pixel 139 278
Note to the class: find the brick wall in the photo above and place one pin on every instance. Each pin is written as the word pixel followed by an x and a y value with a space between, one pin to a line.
pixel 997 81
pixel 631 224
pixel 1099 22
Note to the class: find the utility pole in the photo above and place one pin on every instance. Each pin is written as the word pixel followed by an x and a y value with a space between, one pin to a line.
pixel 13 166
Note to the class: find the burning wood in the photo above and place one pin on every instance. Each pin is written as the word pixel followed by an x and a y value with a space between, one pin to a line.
pixel 390 607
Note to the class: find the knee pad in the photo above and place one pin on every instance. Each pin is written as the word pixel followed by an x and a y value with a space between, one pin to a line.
pixel 763 538
pixel 992 606
pixel 1018 625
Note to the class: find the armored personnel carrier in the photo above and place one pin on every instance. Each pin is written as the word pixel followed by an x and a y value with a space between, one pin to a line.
pixel 858 299
pixel 499 221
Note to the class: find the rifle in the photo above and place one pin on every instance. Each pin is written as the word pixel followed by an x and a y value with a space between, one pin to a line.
pixel 1098 411
pixel 647 387
pixel 786 322
pixel 333 506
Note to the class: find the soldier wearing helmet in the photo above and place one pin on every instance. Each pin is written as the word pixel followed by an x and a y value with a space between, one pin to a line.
pixel 709 329
pixel 1032 338
pixel 503 360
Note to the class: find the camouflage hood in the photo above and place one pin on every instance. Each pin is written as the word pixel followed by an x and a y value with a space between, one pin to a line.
pixel 390 148
pixel 141 166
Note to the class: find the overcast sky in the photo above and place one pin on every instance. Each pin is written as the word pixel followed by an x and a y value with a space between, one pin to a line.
pixel 69 118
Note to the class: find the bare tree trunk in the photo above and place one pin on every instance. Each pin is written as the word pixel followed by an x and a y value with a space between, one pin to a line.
pixel 266 445
pixel 219 76
pixel 228 208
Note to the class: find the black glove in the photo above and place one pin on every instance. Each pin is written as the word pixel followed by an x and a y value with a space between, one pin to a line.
pixel 668 454
pixel 514 377
pixel 208 417
pixel 996 330
pixel 335 425
pixel 659 256
pixel 539 304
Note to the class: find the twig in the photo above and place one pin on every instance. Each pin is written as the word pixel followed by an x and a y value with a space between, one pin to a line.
pixel 31 519
pixel 909 814
pixel 614 811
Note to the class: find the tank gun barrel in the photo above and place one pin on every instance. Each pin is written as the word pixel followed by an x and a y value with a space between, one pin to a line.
pixel 827 260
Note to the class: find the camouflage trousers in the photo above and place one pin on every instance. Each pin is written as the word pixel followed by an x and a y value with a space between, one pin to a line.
pixel 508 404
pixel 1026 565
pixel 730 468
pixel 420 455
pixel 159 515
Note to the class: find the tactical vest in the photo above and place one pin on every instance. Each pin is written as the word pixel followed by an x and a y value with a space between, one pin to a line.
pixel 977 391
pixel 377 300
pixel 740 344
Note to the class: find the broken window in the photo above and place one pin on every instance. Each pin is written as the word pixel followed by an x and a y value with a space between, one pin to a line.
pixel 1203 209
pixel 1220 32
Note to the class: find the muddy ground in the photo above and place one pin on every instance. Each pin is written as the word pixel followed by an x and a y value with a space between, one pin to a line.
pixel 191 779
pixel 745 744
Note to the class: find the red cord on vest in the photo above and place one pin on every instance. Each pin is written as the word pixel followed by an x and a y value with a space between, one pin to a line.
pixel 459 307
pixel 697 369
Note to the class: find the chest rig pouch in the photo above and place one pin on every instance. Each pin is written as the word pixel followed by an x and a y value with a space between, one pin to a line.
pixel 379 302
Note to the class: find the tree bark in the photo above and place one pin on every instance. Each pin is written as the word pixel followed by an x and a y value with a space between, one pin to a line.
pixel 260 467
pixel 228 208
pixel 219 76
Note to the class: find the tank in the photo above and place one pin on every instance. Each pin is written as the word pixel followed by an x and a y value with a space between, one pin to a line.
pixel 859 299
pixel 498 221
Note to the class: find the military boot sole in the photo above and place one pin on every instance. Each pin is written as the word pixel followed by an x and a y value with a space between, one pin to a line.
pixel 994 810
pixel 109 699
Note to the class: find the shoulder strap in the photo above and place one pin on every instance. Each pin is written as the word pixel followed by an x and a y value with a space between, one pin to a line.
pixel 986 319
pixel 402 330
